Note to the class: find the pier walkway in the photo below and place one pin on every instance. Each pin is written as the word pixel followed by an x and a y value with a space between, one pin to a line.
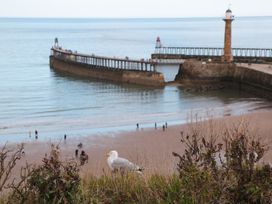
pixel 258 55
pixel 265 68
pixel 104 62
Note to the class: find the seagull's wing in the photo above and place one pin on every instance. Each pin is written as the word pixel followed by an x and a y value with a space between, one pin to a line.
pixel 121 163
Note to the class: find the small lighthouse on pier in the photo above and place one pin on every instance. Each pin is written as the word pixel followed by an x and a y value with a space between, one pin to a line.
pixel 158 42
pixel 56 45
pixel 227 57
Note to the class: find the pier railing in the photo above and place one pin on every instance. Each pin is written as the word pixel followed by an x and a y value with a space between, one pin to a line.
pixel 104 62
pixel 214 52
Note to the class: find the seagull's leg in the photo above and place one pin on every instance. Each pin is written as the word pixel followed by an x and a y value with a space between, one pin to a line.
pixel 122 171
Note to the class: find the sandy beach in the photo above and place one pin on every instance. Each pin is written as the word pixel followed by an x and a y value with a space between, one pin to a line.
pixel 149 148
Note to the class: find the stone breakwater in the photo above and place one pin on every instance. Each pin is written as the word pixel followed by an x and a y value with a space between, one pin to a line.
pixel 193 72
pixel 111 69
pixel 121 76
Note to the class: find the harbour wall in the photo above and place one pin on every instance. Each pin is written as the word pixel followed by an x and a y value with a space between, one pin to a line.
pixel 193 72
pixel 105 73
pixel 253 77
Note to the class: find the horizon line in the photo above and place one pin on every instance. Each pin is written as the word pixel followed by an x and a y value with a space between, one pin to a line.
pixel 65 17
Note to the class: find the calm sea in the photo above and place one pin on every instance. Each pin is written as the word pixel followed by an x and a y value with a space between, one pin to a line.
pixel 35 97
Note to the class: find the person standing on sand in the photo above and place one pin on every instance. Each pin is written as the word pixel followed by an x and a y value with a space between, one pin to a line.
pixel 83 158
pixel 65 137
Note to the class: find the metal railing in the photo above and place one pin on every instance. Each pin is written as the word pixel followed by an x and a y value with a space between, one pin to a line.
pixel 214 52
pixel 169 61
pixel 104 62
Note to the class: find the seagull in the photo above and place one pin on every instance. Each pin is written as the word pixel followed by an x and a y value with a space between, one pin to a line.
pixel 117 163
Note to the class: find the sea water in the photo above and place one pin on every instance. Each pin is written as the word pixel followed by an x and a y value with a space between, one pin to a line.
pixel 34 97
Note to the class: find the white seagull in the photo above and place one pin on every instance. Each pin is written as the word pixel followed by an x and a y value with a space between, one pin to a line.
pixel 117 163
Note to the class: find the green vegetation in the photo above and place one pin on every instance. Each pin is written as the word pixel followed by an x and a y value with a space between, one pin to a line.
pixel 207 172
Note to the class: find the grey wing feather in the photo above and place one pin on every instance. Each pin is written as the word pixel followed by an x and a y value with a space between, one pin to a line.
pixel 121 163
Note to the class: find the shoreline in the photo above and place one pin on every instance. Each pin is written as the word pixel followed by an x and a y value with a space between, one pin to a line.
pixel 149 148
pixel 55 136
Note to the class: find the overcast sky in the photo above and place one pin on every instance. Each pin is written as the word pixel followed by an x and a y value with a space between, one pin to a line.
pixel 132 8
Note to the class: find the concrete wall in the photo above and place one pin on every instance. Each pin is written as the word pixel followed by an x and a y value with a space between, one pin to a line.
pixel 127 76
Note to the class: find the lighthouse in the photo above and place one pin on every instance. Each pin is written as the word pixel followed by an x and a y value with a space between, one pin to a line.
pixel 227 57
pixel 158 42
pixel 56 45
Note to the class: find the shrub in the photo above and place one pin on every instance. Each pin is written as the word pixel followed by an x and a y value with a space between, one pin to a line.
pixel 229 173
pixel 52 182
pixel 8 160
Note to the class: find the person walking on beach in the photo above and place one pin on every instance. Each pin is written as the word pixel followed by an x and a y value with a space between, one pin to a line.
pixel 137 126
pixel 76 153
pixel 165 124
pixel 163 128
pixel 65 137
pixel 155 126
pixel 36 134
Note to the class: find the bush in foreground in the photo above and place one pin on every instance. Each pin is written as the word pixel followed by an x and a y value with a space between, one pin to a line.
pixel 52 182
pixel 224 173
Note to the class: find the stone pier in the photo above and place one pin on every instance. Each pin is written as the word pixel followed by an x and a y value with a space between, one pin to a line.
pixel 197 73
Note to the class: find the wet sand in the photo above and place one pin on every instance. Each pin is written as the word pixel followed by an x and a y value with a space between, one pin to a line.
pixel 149 148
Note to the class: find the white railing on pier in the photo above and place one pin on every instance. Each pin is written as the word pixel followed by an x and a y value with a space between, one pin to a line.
pixel 104 62
pixel 215 52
